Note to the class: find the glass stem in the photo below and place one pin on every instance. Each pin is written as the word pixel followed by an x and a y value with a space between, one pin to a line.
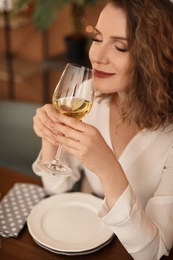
pixel 58 153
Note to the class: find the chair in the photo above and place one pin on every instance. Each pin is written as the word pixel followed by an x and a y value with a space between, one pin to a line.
pixel 19 145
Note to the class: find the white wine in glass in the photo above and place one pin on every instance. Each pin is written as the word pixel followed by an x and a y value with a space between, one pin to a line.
pixel 73 96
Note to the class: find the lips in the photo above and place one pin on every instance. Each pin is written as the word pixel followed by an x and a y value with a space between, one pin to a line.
pixel 102 74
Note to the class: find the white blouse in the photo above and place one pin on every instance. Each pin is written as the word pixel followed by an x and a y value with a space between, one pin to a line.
pixel 142 218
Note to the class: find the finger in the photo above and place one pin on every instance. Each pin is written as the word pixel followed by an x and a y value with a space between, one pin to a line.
pixel 50 112
pixel 46 136
pixel 43 131
pixel 69 132
pixel 44 119
pixel 71 145
pixel 72 122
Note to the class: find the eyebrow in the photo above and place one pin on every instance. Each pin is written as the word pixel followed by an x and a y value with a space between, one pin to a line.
pixel 113 37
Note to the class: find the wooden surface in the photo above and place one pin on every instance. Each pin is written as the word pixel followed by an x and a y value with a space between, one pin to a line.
pixel 23 247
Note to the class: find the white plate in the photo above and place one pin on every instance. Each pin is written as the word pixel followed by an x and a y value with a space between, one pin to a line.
pixel 68 223
pixel 76 253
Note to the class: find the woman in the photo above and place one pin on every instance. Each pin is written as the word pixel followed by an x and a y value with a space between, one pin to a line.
pixel 125 144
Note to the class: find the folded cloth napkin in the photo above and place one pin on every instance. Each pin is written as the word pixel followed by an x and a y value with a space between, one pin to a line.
pixel 16 205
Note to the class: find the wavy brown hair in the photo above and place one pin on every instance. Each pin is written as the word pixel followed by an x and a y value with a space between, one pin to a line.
pixel 149 99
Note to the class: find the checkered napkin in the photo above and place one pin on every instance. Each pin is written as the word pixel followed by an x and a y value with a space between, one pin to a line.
pixel 16 205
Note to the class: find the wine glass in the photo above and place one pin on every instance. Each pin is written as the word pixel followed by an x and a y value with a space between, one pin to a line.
pixel 73 96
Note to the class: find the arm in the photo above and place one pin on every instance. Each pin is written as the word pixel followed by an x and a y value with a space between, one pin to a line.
pixel 145 233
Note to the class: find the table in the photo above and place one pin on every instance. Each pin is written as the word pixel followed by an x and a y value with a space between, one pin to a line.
pixel 24 248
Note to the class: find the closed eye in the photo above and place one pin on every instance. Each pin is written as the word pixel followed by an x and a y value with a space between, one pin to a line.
pixel 114 45
pixel 121 49
pixel 96 40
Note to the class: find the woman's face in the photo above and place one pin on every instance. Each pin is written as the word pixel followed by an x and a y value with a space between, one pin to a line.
pixel 109 54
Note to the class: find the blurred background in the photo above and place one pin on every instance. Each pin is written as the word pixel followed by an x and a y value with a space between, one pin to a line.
pixel 38 37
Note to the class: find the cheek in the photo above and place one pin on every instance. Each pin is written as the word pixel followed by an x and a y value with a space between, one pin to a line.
pixel 91 53
pixel 126 64
pixel 105 86
pixel 110 85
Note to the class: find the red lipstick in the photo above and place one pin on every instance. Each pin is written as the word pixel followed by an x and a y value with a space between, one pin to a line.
pixel 102 74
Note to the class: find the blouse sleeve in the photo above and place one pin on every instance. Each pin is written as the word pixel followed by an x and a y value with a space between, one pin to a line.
pixel 54 185
pixel 146 234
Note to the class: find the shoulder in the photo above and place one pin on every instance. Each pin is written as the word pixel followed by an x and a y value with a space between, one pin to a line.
pixel 162 136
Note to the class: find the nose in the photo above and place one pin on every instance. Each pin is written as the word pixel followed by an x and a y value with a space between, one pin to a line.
pixel 99 53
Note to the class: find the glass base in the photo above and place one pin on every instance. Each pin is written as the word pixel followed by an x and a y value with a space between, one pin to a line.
pixel 55 168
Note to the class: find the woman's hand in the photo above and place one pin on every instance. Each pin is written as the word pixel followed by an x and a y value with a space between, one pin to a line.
pixel 85 142
pixel 44 123
pixel 80 139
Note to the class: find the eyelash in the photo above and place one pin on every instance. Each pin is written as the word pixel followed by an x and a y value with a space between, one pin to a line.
pixel 119 49
pixel 95 40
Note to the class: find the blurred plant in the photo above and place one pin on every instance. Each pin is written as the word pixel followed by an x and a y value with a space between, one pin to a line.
pixel 44 12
